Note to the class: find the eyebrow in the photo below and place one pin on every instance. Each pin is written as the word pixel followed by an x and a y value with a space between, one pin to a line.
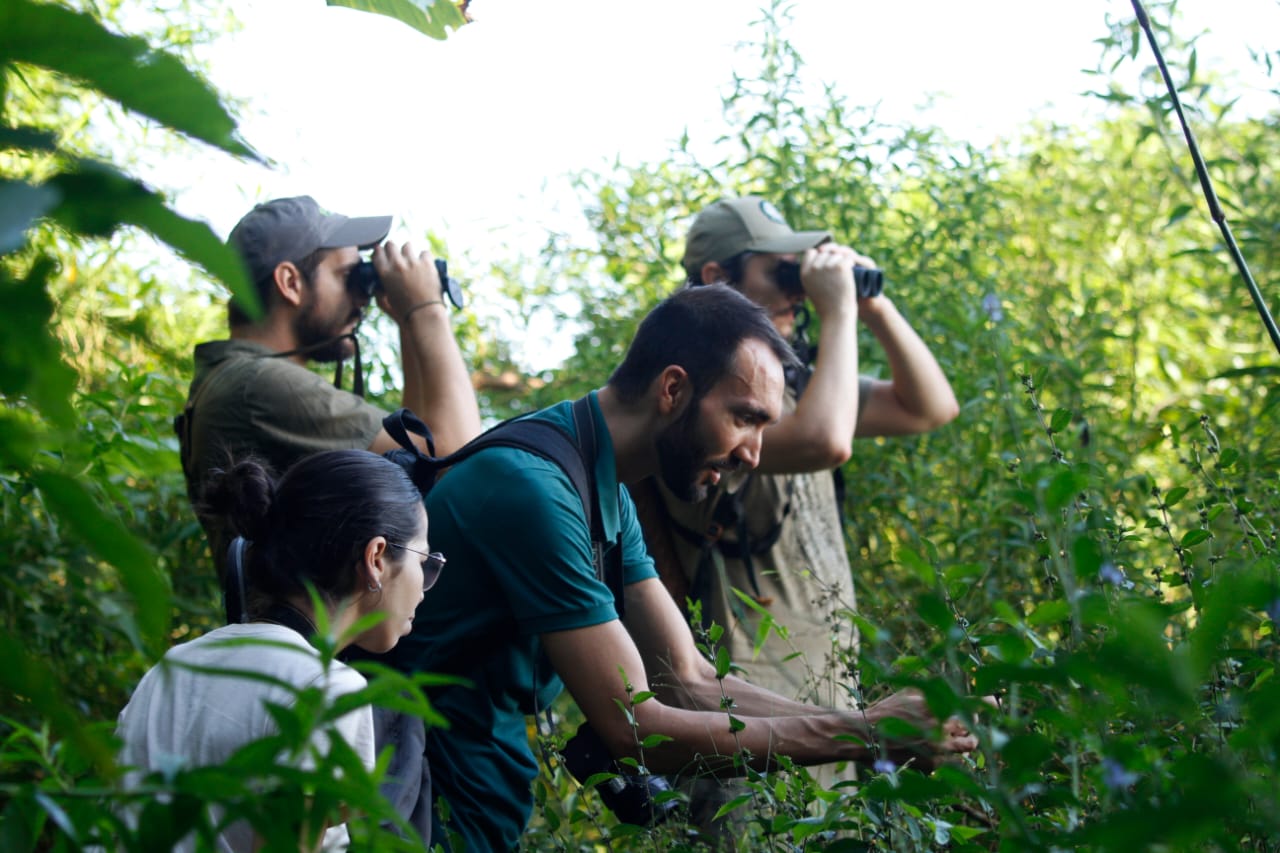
pixel 755 415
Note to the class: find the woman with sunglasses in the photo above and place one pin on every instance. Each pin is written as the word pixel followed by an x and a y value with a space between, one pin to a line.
pixel 347 524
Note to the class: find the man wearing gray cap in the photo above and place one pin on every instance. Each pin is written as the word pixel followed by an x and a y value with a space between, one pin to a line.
pixel 253 393
pixel 775 534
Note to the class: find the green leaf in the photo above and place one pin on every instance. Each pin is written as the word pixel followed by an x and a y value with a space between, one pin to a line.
pixel 933 610
pixel 1061 418
pixel 654 739
pixel 1174 495
pixel 723 663
pixel 1195 537
pixel 1180 212
pixel 1086 557
pixel 110 540
pixel 434 18
pixel 124 68
pixel 31 363
pixel 913 561
pixel 1049 613
pixel 1063 489
pixel 97 199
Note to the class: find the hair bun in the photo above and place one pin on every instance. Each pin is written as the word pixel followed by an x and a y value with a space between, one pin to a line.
pixel 243 494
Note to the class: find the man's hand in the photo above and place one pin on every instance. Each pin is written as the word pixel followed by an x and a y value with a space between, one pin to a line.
pixel 827 275
pixel 409 280
pixel 921 752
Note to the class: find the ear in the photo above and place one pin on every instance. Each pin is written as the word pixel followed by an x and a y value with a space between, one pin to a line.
pixel 289 283
pixel 375 569
pixel 675 390
pixel 713 273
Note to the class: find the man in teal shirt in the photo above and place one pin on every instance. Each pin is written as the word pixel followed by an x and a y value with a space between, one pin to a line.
pixel 522 612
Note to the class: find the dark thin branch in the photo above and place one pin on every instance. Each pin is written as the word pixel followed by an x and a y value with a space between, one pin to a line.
pixel 1215 210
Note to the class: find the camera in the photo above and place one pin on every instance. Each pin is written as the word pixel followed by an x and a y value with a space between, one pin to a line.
pixel 867 281
pixel 363 280
pixel 632 798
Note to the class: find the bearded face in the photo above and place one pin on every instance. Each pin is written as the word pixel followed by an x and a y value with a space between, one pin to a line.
pixel 685 464
pixel 325 317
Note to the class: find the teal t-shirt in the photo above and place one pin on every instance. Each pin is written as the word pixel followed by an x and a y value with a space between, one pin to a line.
pixel 519 550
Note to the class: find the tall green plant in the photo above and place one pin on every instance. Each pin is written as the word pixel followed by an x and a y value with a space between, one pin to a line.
pixel 1094 540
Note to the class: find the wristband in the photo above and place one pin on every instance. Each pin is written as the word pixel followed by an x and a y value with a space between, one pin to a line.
pixel 409 313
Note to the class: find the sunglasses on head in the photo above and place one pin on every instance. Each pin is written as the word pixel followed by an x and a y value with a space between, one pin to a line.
pixel 431 566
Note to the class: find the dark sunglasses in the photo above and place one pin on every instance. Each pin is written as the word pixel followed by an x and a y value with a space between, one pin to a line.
pixel 431 566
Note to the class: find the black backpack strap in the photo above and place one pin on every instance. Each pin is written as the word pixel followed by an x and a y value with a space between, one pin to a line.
pixel 606 555
pixel 235 596
pixel 541 438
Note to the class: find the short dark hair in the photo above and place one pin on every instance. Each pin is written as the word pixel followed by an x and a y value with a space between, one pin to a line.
pixel 733 269
pixel 700 330
pixel 265 287
pixel 312 525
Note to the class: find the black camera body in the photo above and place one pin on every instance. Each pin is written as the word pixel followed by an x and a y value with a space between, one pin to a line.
pixel 363 280
pixel 867 281
pixel 632 798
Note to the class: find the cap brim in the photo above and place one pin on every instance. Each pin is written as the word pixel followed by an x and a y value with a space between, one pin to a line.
pixel 785 244
pixel 361 231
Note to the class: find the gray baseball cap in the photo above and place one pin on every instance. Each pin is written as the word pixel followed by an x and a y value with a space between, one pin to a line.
pixel 289 229
pixel 731 226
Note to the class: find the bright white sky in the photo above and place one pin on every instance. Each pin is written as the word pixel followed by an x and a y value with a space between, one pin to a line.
pixel 470 138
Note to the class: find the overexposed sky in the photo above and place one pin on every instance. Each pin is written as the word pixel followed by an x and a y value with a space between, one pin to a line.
pixel 470 137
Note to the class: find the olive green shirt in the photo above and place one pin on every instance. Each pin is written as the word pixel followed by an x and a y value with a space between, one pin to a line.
pixel 246 400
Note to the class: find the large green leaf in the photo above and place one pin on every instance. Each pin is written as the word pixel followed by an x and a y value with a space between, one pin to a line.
pixel 125 68
pixel 431 17
pixel 31 364
pixel 111 541
pixel 97 199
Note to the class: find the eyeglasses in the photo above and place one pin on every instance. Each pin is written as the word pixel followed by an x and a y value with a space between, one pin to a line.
pixel 431 566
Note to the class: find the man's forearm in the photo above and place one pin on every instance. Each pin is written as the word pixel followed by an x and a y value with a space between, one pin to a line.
pixel 919 384
pixel 437 387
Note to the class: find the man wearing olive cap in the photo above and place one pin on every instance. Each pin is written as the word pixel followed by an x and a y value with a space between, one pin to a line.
pixel 775 535
pixel 253 393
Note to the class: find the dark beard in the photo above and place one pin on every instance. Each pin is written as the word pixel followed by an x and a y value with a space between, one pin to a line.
pixel 681 457
pixel 327 338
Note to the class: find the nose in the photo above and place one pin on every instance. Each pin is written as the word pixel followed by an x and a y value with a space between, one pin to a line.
pixel 749 450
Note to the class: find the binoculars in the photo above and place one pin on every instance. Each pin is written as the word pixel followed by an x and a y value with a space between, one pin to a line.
pixel 633 799
pixel 867 281
pixel 363 280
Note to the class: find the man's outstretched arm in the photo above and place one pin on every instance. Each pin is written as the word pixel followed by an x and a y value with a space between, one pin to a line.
pixel 605 669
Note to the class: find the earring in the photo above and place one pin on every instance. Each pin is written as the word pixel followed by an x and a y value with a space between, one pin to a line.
pixel 375 587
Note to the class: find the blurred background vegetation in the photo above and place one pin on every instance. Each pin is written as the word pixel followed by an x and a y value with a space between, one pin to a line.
pixel 1094 539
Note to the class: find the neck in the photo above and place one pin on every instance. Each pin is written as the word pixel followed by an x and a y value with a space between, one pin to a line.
pixel 340 618
pixel 274 333
pixel 631 429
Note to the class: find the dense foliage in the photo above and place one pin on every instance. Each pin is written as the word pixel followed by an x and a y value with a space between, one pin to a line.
pixel 1094 540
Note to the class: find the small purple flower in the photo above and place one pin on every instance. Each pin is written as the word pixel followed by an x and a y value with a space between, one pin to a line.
pixel 991 304
pixel 1114 575
pixel 1115 777
pixel 884 765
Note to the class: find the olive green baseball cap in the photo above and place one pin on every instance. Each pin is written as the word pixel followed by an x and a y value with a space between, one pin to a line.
pixel 731 226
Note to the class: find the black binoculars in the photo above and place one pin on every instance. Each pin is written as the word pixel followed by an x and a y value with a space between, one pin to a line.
pixel 363 280
pixel 632 798
pixel 867 281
